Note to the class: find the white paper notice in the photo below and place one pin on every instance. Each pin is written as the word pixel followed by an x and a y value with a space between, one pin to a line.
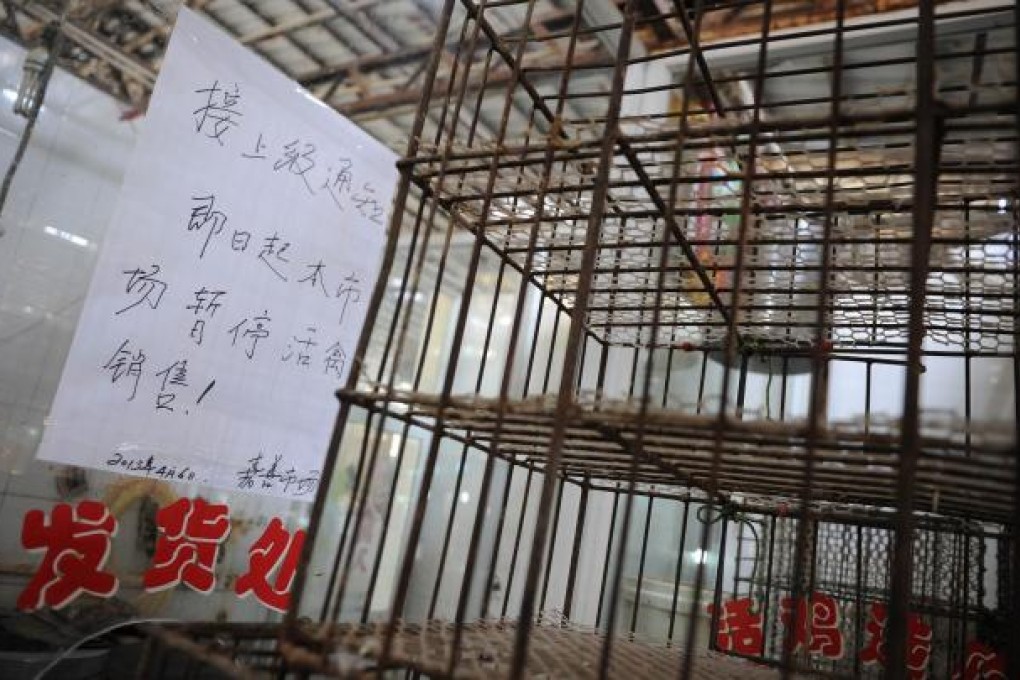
pixel 232 284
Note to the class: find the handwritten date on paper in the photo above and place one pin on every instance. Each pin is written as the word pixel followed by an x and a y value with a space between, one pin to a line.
pixel 150 466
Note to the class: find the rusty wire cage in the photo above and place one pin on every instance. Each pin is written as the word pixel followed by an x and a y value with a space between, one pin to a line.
pixel 682 360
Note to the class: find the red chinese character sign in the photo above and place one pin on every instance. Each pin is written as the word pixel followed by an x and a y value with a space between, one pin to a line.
pixel 982 662
pixel 232 284
pixel 740 627
pixel 817 625
pixel 190 534
pixel 272 563
pixel 918 641
pixel 76 542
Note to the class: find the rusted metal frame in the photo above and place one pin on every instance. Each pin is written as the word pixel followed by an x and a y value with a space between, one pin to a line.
pixel 374 31
pixel 859 602
pixel 633 373
pixel 802 308
pixel 775 211
pixel 797 35
pixel 669 227
pixel 490 578
pixel 613 282
pixel 609 551
pixel 730 341
pixel 575 552
pixel 698 54
pixel 767 602
pixel 599 390
pixel 644 181
pixel 516 64
pixel 967 337
pixel 402 340
pixel 418 422
pixel 657 145
pixel 419 372
pixel 784 123
pixel 705 140
pixel 979 54
pixel 669 217
pixel 512 61
pixel 679 570
pixel 595 29
pixel 373 457
pixel 857 98
pixel 778 241
pixel 550 476
pixel 1013 659
pixel 713 624
pixel 641 565
pixel 781 130
pixel 754 324
pixel 511 468
pixel 805 267
pixel 631 478
pixel 566 396
pixel 479 233
pixel 630 452
pixel 536 334
pixel 452 516
pixel 648 492
pixel 550 549
pixel 494 560
pixel 795 210
pixel 402 293
pixel 742 385
pixel 925 192
pixel 727 128
pixel 780 291
pixel 810 70
pixel 336 570
pixel 483 362
pixel 552 346
pixel 502 78
pixel 407 563
pixel 364 64
pixel 342 545
pixel 846 489
pixel 517 541
pixel 375 303
pixel 533 350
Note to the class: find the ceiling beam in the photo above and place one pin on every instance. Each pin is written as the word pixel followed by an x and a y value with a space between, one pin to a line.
pixel 497 78
pixel 297 24
pixel 92 43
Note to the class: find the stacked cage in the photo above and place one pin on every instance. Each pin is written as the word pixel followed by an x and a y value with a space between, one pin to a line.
pixel 694 363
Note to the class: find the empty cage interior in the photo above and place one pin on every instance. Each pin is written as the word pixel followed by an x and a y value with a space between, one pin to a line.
pixel 709 348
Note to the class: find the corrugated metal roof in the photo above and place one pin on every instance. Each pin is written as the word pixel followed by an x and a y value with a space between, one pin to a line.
pixel 363 57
